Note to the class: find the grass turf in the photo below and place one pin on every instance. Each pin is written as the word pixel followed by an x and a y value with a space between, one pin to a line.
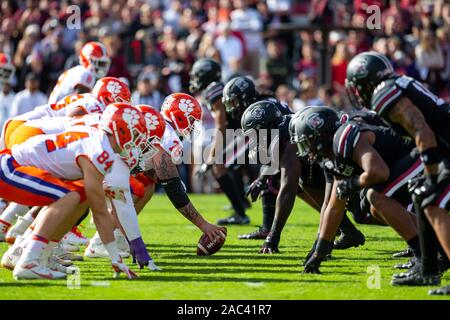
pixel 235 272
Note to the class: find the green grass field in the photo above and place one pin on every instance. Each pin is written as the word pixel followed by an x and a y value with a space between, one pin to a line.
pixel 237 271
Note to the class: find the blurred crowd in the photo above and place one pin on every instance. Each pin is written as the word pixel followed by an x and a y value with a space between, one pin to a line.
pixel 153 44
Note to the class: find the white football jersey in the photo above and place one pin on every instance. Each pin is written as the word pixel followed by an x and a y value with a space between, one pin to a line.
pixel 60 124
pixel 86 102
pixel 170 143
pixel 69 79
pixel 58 153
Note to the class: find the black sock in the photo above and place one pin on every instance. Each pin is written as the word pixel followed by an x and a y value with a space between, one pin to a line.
pixel 228 186
pixel 85 214
pixel 428 244
pixel 236 175
pixel 414 244
pixel 347 226
pixel 268 200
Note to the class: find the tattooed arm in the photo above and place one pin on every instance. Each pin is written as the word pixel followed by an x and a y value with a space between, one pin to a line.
pixel 167 172
pixel 412 120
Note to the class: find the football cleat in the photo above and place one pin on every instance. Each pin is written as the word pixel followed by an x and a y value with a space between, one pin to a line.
pixel 18 229
pixel 69 247
pixel 345 241
pixel 417 279
pixel 407 253
pixel 35 270
pixel 234 219
pixel 12 255
pixel 441 291
pixel 75 237
pixel 408 265
pixel 65 255
pixel 96 249
pixel 259 234
pixel 4 227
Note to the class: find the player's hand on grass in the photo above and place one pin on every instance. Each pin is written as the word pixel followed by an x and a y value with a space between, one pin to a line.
pixel 313 264
pixel 270 245
pixel 119 266
pixel 141 256
pixel 255 189
pixel 212 231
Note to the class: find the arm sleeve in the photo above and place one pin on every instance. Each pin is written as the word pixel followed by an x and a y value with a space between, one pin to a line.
pixel 117 186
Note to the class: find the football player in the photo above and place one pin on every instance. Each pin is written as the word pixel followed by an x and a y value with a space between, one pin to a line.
pixel 182 114
pixel 369 160
pixel 106 91
pixel 413 111
pixel 295 174
pixel 205 79
pixel 94 64
pixel 42 171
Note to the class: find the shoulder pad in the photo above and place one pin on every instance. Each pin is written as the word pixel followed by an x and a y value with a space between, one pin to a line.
pixel 345 140
pixel 403 81
pixel 385 95
pixel 212 93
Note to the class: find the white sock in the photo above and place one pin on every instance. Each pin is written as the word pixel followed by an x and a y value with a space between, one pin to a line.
pixel 11 212
pixel 29 216
pixel 35 248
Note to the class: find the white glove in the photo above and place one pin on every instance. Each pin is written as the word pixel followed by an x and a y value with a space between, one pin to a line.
pixel 119 266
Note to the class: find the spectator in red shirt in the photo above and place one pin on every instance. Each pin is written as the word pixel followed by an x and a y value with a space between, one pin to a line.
pixel 339 64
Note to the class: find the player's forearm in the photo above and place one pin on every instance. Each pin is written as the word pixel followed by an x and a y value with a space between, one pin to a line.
pixel 330 222
pixel 284 204
pixel 190 213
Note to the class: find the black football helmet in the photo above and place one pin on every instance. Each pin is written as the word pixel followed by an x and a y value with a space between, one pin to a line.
pixel 238 94
pixel 364 72
pixel 260 116
pixel 203 73
pixel 312 129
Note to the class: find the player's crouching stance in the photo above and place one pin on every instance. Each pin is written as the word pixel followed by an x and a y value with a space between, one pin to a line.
pixel 42 171
pixel 182 114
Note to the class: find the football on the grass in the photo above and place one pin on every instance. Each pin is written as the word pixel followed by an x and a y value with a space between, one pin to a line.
pixel 206 247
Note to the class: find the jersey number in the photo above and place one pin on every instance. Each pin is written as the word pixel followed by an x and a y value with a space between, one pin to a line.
pixel 63 139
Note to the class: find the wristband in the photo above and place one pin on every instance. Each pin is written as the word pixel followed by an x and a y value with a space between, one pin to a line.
pixel 431 156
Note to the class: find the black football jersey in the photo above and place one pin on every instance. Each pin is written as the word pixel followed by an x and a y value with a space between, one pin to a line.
pixel 435 110
pixel 388 144
pixel 368 117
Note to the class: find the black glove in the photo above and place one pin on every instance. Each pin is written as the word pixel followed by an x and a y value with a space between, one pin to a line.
pixel 200 173
pixel 256 187
pixel 422 189
pixel 313 264
pixel 270 245
pixel 311 252
pixel 323 247
pixel 347 186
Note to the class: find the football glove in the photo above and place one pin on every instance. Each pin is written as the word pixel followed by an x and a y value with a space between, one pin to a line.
pixel 119 266
pixel 270 245
pixel 255 189
pixel 346 187
pixel 200 173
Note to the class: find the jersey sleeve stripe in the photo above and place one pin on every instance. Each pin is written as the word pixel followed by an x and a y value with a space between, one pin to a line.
pixel 383 101
pixel 444 198
pixel 343 141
